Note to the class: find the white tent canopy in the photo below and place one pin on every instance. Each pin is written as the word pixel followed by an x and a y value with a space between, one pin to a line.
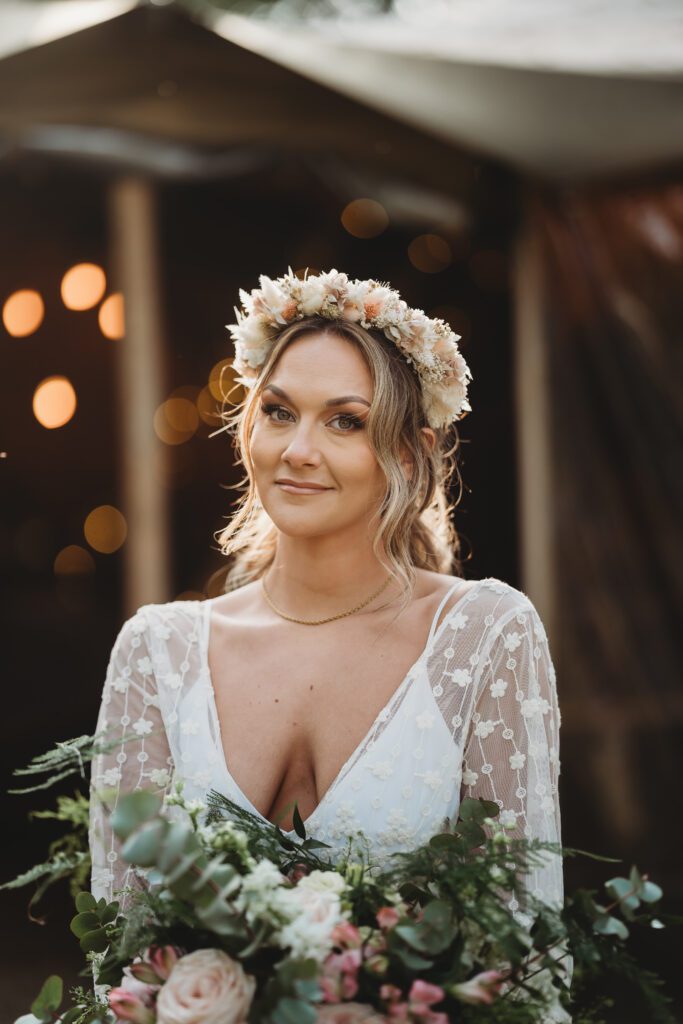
pixel 557 90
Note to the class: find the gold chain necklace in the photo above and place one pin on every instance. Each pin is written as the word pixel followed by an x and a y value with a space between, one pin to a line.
pixel 331 618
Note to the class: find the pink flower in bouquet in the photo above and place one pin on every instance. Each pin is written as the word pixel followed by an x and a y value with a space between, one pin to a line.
pixel 130 1006
pixel 420 998
pixel 340 975
pixel 349 1013
pixel 163 959
pixel 482 988
pixel 206 987
pixel 390 993
pixel 346 934
pixel 387 918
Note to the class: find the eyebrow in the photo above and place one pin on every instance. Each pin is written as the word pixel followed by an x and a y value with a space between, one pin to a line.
pixel 329 403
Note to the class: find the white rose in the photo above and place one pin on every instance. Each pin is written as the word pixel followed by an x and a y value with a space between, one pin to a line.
pixel 206 987
pixel 323 881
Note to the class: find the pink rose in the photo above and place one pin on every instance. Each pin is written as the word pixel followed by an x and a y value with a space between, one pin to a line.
pixel 206 987
pixel 482 988
pixel 387 918
pixel 349 1013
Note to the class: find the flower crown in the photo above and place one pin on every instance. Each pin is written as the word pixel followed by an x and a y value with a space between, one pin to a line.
pixel 429 345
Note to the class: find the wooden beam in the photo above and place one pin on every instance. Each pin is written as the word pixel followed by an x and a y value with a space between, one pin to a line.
pixel 141 389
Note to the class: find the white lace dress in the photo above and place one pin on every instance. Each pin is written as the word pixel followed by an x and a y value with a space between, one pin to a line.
pixel 476 715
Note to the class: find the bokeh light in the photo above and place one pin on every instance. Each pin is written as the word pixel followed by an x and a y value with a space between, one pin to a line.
pixel 105 529
pixel 74 560
pixel 430 253
pixel 83 286
pixel 54 402
pixel 176 420
pixel 364 218
pixel 23 313
pixel 208 407
pixel 111 317
pixel 222 383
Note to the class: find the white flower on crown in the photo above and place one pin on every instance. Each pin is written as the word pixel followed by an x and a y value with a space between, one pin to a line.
pixel 428 344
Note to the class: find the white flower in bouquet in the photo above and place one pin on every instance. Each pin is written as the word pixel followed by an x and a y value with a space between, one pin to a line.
pixel 259 894
pixel 206 987
pixel 314 909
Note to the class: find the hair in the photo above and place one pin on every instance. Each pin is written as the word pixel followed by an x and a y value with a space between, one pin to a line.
pixel 413 522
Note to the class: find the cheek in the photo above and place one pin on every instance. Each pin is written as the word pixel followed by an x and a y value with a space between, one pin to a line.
pixel 261 448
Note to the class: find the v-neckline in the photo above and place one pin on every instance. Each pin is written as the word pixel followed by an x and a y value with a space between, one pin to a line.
pixel 205 607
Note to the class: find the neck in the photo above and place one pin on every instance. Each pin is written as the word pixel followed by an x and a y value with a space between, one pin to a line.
pixel 315 576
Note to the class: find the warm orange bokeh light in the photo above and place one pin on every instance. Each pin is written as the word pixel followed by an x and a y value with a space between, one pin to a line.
pixel 112 318
pixel 364 218
pixel 176 420
pixel 222 384
pixel 430 253
pixel 105 529
pixel 54 402
pixel 83 286
pixel 74 560
pixel 208 407
pixel 23 313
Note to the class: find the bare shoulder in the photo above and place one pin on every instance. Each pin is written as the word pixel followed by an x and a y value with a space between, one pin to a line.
pixel 433 587
pixel 237 604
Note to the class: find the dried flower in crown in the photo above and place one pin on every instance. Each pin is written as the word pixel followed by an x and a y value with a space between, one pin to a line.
pixel 429 345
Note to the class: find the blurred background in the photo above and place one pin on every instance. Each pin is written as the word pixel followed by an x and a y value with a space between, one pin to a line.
pixel 516 170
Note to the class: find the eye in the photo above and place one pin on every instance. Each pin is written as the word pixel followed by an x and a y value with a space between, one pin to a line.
pixel 269 409
pixel 351 422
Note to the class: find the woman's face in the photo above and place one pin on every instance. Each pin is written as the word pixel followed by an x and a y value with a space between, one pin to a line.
pixel 310 430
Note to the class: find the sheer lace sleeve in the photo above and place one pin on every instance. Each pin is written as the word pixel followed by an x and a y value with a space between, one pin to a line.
pixel 511 753
pixel 131 720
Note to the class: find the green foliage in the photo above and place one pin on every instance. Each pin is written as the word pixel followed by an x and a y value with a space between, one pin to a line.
pixel 66 758
pixel 68 855
pixel 49 999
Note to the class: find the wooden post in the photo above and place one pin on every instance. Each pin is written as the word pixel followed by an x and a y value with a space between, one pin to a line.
pixel 534 430
pixel 141 388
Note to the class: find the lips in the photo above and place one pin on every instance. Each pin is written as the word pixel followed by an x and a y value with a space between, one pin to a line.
pixel 301 486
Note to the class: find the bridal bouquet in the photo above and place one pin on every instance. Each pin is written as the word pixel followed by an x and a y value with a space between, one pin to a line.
pixel 238 923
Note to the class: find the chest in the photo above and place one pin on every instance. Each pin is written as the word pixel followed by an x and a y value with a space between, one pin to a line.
pixel 293 706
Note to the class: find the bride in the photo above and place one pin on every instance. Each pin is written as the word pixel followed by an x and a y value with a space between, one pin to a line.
pixel 347 668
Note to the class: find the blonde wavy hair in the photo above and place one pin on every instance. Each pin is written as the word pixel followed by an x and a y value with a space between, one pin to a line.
pixel 413 522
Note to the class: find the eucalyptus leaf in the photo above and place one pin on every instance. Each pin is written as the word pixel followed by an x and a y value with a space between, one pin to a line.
pixel 142 847
pixel 293 1011
pixel 49 999
pixel 134 810
pixel 650 892
pixel 85 901
pixel 83 923
pixel 608 925
pixel 95 941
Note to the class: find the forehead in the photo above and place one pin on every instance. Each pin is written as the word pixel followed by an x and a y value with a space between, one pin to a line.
pixel 322 363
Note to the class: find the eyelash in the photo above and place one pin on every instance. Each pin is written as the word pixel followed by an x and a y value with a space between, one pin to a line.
pixel 356 423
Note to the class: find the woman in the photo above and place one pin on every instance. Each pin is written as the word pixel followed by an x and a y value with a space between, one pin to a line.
pixel 345 668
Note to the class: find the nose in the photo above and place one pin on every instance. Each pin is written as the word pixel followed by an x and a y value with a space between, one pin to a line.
pixel 302 449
